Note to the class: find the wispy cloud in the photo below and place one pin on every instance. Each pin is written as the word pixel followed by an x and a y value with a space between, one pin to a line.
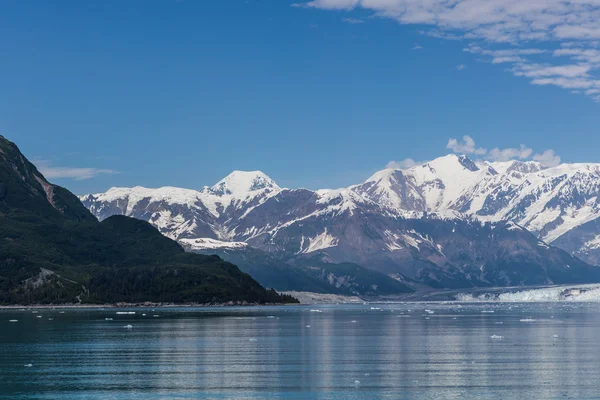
pixel 79 174
pixel 521 153
pixel 353 21
pixel 468 146
pixel 461 67
pixel 548 158
pixel 404 164
pixel 549 42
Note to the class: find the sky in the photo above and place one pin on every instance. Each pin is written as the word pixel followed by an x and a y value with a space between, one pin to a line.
pixel 317 94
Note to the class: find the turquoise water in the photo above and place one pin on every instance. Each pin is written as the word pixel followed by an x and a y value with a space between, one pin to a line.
pixel 344 352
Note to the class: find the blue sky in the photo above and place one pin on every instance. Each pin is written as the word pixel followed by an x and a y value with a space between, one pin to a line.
pixel 322 94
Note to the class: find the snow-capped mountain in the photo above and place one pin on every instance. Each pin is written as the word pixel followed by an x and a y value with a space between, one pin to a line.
pixel 443 223
pixel 549 202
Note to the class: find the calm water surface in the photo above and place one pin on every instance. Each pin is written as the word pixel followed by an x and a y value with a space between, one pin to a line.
pixel 345 352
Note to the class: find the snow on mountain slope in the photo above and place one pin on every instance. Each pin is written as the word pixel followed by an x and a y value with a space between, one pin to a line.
pixel 443 180
pixel 184 213
pixel 250 207
pixel 434 186
pixel 241 184
pixel 210 244
pixel 549 202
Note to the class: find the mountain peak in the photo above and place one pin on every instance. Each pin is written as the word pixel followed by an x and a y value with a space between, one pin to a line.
pixel 239 183
pixel 452 162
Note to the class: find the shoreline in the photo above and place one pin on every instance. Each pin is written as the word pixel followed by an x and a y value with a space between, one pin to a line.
pixel 138 305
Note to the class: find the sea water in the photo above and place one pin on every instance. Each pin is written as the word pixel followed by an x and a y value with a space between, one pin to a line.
pixel 345 352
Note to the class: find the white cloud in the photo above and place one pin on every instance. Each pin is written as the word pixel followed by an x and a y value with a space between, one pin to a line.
pixel 567 71
pixel 353 21
pixel 404 164
pixel 508 32
pixel 417 47
pixel 548 158
pixel 461 67
pixel 521 153
pixel 78 174
pixel 466 147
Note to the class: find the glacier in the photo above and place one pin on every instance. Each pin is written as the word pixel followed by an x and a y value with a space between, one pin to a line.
pixel 583 293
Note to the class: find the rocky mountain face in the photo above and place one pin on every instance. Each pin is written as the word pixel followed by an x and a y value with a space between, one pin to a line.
pixel 451 222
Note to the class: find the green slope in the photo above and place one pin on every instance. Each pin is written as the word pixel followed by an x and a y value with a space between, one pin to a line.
pixel 52 250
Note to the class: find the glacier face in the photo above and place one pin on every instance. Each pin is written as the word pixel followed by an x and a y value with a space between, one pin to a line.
pixel 586 293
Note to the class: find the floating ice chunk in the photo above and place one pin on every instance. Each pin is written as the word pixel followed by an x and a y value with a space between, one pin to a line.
pixel 496 337
pixel 555 336
pixel 454 318
pixel 430 312
pixel 270 317
pixel 253 340
pixel 527 320
pixel 155 316
pixel 143 315
pixel 128 327
pixel 375 308
pixel 367 374
pixel 34 312
pixel 319 311
pixel 38 316
pixel 28 365
pixel 357 383
pixel 108 319
pixel 488 311
pixel 308 326
pixel 125 312
pixel 499 323
pixel 50 319
pixel 62 312
pixel 13 320
pixel 353 322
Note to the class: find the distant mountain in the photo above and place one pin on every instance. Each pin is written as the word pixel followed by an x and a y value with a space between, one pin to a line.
pixel 310 275
pixel 449 223
pixel 53 250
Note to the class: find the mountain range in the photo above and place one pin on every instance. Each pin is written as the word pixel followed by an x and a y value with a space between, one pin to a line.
pixel 53 250
pixel 449 223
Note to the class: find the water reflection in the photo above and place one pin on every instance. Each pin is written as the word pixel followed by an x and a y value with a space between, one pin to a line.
pixel 344 352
